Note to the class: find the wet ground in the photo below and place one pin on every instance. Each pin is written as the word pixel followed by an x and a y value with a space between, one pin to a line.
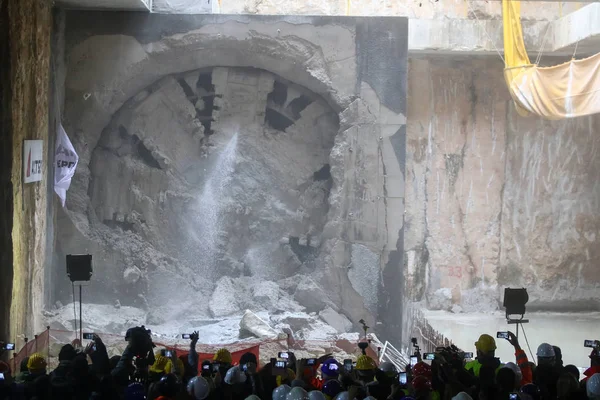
pixel 567 331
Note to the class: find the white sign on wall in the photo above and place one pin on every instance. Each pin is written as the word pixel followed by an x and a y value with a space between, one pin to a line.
pixel 33 151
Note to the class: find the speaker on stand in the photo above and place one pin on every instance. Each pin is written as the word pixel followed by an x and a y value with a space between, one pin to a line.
pixel 79 271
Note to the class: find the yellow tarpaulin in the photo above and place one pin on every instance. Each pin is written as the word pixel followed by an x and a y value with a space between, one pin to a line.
pixel 563 91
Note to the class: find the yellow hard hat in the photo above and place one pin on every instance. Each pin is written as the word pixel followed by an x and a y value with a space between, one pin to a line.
pixel 365 363
pixel 485 344
pixel 36 362
pixel 223 356
pixel 290 377
pixel 180 367
pixel 160 364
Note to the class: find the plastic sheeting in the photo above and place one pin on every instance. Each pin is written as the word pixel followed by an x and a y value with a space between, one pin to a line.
pixel 563 91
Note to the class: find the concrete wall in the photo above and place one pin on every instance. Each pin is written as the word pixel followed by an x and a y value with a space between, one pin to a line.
pixel 422 9
pixel 24 116
pixel 356 65
pixel 494 199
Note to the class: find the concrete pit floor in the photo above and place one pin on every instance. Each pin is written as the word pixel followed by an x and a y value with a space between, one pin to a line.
pixel 567 331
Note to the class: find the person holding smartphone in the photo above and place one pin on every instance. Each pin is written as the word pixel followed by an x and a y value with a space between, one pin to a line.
pixel 486 355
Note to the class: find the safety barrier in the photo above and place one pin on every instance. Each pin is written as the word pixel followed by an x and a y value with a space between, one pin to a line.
pixel 427 337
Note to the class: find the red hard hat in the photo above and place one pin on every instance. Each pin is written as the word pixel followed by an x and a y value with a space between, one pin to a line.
pixel 421 384
pixel 422 369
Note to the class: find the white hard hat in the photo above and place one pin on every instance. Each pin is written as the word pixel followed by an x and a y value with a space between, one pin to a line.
pixel 462 396
pixel 234 376
pixel 316 395
pixel 198 388
pixel 297 393
pixel 593 386
pixel 545 350
pixel 515 369
pixel 342 396
pixel 281 392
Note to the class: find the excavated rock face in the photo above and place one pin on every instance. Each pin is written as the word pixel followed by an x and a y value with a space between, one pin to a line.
pixel 260 169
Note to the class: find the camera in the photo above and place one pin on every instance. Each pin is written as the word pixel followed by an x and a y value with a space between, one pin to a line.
pixel 348 364
pixel 215 367
pixel 591 343
pixel 311 361
pixel 206 367
pixel 88 336
pixel 429 356
pixel 502 335
pixel 186 336
pixel 9 346
pixel 413 360
pixel 468 356
pixel 402 378
pixel 284 354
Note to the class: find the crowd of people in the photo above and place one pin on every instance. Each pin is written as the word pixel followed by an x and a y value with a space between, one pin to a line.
pixel 143 373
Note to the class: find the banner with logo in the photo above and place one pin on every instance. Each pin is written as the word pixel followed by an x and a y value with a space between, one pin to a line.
pixel 33 151
pixel 66 160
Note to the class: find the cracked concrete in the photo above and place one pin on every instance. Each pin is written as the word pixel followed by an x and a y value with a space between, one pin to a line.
pixel 309 120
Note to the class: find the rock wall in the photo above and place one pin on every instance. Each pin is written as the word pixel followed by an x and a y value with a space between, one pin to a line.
pixel 221 151
pixel 25 47
pixel 493 199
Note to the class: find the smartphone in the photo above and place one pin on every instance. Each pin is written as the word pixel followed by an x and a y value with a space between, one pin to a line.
pixel 413 361
pixel 348 365
pixel 402 378
pixel 166 353
pixel 9 346
pixel 206 367
pixel 468 356
pixel 215 367
pixel 502 335
pixel 429 356
pixel 186 336
pixel 245 367
pixel 514 396
pixel 1 376
pixel 88 336
pixel 311 361
pixel 279 368
pixel 283 354
pixel 591 343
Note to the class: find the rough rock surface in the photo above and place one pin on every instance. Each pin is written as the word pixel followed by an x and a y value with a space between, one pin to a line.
pixel 310 295
pixel 266 293
pixel 253 324
pixel 496 200
pixel 223 301
pixel 336 320
pixel 195 172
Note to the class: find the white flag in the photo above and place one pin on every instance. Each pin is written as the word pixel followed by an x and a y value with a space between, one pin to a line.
pixel 65 162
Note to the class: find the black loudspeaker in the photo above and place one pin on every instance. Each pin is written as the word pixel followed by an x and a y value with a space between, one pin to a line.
pixel 79 267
